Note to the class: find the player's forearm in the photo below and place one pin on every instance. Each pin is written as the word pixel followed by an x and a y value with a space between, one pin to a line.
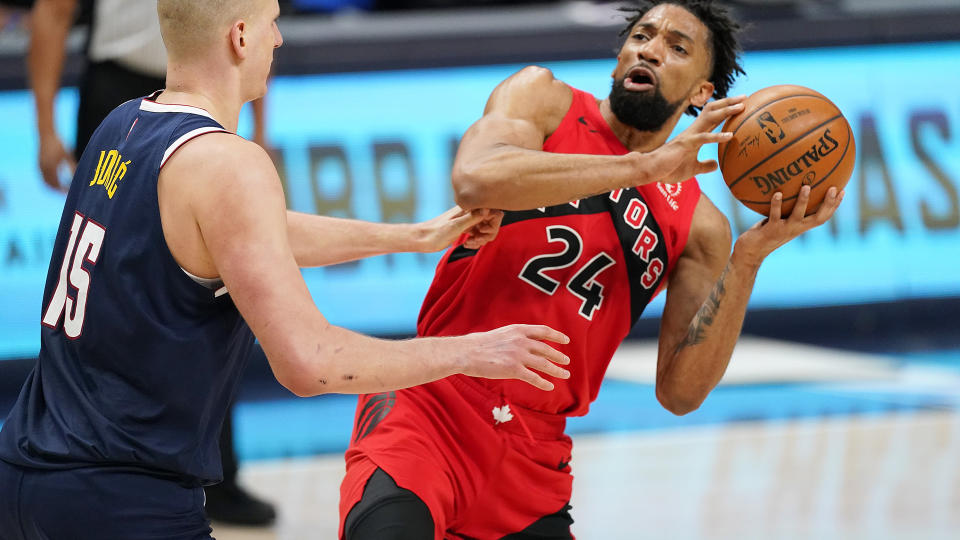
pixel 341 361
pixel 51 20
pixel 515 178
pixel 702 356
pixel 321 240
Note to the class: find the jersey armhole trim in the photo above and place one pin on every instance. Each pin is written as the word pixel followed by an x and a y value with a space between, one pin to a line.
pixel 214 284
pixel 187 137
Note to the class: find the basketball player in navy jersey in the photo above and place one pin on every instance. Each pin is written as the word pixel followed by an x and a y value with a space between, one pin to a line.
pixel 174 244
pixel 602 214
pixel 124 58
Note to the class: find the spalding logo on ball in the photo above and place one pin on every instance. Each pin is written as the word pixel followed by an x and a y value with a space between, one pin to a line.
pixel 786 137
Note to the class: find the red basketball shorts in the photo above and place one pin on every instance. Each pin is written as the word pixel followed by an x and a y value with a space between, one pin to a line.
pixel 484 468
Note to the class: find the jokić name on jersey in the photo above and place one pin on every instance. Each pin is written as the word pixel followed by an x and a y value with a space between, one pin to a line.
pixel 111 168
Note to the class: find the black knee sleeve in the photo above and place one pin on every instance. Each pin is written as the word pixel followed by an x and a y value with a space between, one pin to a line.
pixel 388 512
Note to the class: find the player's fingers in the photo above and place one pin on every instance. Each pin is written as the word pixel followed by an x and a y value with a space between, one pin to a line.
pixel 716 112
pixel 492 218
pixel 490 226
pixel 495 219
pixel 535 380
pixel 538 363
pixel 776 205
pixel 454 212
pixel 485 227
pixel 547 352
pixel 481 238
pixel 702 139
pixel 716 115
pixel 544 333
pixel 727 101
pixel 478 237
pixel 800 209
pixel 830 204
pixel 466 220
pixel 482 232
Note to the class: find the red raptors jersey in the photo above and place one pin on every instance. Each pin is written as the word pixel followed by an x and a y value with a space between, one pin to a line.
pixel 587 269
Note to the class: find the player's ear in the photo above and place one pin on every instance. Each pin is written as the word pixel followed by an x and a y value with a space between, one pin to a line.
pixel 238 40
pixel 702 94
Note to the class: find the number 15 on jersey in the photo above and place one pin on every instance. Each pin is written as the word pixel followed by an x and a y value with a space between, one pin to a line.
pixel 73 273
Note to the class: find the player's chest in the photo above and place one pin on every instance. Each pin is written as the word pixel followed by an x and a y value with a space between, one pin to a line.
pixel 587 249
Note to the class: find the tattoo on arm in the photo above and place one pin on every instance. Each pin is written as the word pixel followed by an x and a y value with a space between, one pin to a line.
pixel 706 315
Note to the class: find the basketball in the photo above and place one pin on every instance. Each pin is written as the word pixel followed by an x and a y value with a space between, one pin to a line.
pixel 786 137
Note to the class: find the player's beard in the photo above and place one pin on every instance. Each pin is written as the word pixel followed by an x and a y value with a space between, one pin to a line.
pixel 646 111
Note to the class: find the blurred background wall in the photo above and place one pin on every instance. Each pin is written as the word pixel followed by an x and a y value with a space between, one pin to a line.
pixel 370 98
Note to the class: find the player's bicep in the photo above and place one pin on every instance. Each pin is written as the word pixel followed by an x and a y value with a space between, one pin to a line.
pixel 497 129
pixel 521 111
pixel 694 276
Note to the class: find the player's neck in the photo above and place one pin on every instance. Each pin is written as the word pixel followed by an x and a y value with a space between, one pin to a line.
pixel 217 96
pixel 634 139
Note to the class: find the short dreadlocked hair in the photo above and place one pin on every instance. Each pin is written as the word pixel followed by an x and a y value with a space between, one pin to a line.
pixel 724 45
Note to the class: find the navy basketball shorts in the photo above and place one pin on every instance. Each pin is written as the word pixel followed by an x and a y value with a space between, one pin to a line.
pixel 97 503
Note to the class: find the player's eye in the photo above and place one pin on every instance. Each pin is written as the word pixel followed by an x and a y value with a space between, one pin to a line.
pixel 680 49
pixel 640 37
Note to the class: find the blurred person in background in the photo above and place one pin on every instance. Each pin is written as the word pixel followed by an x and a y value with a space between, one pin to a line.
pixel 384 5
pixel 125 59
pixel 12 13
pixel 470 458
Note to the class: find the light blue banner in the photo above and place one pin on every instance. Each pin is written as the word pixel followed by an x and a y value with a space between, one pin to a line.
pixel 379 146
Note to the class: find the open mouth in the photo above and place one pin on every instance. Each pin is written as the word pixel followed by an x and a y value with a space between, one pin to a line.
pixel 639 79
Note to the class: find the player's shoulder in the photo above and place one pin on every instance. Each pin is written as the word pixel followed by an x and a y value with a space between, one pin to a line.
pixel 221 150
pixel 539 82
pixel 221 158
pixel 533 92
pixel 221 173
pixel 538 76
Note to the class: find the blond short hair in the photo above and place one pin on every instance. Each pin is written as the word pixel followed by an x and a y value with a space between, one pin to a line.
pixel 189 26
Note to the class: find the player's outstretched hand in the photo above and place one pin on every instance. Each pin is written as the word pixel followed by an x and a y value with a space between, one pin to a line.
pixel 766 236
pixel 485 230
pixel 480 225
pixel 516 352
pixel 52 155
pixel 677 159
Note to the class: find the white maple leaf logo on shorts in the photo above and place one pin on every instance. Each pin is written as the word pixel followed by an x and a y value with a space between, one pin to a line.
pixel 502 415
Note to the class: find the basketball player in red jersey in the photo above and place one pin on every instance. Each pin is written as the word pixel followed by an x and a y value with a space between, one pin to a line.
pixel 471 458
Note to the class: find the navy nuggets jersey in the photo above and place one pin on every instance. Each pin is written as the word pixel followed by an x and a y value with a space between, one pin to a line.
pixel 587 269
pixel 138 360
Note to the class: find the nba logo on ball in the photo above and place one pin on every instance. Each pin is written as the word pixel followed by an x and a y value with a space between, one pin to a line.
pixel 771 128
pixel 810 144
